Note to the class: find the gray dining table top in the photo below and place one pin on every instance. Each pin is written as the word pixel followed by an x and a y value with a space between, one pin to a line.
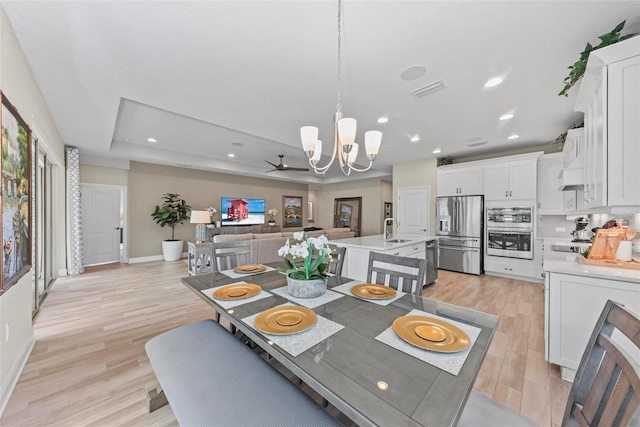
pixel 346 367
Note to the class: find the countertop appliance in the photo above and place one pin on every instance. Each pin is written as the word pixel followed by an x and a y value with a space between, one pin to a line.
pixel 459 223
pixel 581 233
pixel 510 232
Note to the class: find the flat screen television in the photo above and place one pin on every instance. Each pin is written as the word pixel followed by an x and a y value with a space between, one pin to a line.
pixel 242 211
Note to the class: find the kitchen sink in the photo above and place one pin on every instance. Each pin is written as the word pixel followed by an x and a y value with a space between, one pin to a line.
pixel 397 241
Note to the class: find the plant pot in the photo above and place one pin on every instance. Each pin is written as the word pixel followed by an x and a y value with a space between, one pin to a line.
pixel 306 288
pixel 172 249
pixel 271 223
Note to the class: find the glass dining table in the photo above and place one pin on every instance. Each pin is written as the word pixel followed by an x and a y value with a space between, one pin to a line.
pixel 356 369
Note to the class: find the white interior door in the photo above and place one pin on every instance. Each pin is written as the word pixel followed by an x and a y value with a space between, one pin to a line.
pixel 413 210
pixel 101 223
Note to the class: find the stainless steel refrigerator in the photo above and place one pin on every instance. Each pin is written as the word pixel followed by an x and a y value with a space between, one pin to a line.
pixel 460 229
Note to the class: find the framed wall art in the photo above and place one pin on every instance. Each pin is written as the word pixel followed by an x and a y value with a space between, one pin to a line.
pixel 291 211
pixel 16 195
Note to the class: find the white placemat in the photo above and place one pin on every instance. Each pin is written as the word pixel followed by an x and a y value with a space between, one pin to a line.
pixel 233 275
pixel 308 302
pixel 449 362
pixel 345 288
pixel 296 344
pixel 234 303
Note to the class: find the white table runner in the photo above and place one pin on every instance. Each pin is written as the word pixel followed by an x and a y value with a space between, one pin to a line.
pixel 296 344
pixel 449 362
pixel 233 275
pixel 345 288
pixel 234 303
pixel 308 302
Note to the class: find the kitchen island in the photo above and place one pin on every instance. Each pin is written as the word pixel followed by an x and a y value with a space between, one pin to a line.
pixel 356 261
pixel 575 294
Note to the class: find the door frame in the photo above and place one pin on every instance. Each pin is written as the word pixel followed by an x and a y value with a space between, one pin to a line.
pixel 124 256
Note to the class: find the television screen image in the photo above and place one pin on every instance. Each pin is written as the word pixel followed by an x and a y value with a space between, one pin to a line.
pixel 242 211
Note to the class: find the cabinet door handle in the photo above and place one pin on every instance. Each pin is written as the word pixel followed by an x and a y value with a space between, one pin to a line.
pixel 396 253
pixel 510 193
pixel 508 269
pixel 506 194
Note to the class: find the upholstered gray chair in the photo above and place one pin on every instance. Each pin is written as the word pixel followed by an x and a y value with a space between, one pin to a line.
pixel 605 391
pixel 398 272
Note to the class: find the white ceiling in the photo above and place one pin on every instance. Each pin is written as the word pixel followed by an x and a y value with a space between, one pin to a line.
pixel 200 76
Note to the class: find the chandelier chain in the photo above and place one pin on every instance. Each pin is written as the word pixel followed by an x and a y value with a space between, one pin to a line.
pixel 339 104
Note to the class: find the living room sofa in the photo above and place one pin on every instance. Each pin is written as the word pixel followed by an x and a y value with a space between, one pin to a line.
pixel 266 245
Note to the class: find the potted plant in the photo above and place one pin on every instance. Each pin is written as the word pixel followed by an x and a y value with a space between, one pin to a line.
pixel 307 260
pixel 211 211
pixel 272 213
pixel 578 69
pixel 172 212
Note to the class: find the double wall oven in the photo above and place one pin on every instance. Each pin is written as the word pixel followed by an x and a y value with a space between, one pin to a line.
pixel 510 232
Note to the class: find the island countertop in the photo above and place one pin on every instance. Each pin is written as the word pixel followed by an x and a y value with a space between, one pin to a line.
pixel 379 243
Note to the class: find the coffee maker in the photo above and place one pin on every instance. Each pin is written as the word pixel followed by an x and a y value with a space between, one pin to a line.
pixel 581 233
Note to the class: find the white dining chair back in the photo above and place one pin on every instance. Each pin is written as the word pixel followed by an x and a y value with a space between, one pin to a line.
pixel 228 255
pixel 398 272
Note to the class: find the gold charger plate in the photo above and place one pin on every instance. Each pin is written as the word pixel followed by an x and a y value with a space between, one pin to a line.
pixel 285 320
pixel 237 291
pixel 431 334
pixel 249 268
pixel 372 291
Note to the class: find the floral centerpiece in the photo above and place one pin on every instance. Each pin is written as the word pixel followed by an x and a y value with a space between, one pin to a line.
pixel 272 213
pixel 307 260
pixel 211 211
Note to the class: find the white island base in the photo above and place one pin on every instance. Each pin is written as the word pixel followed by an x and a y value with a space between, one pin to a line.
pixel 356 262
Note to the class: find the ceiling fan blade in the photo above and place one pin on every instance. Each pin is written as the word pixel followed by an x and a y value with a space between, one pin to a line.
pixel 297 169
pixel 275 166
pixel 271 170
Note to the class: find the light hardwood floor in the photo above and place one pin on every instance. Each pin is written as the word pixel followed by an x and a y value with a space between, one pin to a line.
pixel 89 367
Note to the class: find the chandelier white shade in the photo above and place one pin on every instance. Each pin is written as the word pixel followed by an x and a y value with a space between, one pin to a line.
pixel 344 135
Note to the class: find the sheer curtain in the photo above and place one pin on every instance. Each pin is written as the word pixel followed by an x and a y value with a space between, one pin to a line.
pixel 75 250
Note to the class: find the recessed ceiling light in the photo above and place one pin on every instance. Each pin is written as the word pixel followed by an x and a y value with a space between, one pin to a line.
pixel 514 137
pixel 493 82
pixel 152 140
pixel 436 151
pixel 415 139
pixel 383 120
pixel 506 117
pixel 231 155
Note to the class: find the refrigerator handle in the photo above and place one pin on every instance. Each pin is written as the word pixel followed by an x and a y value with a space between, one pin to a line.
pixel 454 217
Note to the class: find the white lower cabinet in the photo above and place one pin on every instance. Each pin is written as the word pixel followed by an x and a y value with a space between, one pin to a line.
pixel 510 267
pixel 574 305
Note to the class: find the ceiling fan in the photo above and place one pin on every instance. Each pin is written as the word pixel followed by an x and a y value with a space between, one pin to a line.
pixel 283 167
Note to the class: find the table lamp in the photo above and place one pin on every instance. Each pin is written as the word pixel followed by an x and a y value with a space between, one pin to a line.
pixel 200 218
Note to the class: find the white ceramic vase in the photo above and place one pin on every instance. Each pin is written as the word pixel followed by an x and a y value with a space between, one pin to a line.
pixel 306 288
pixel 172 249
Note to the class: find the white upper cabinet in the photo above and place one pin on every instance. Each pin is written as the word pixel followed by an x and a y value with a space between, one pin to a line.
pixel 610 98
pixel 460 181
pixel 514 180
pixel 550 199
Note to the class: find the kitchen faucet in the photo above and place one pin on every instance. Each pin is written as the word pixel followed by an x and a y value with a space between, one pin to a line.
pixel 384 227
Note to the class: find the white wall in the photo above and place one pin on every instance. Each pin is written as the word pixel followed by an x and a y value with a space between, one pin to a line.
pixel 20 87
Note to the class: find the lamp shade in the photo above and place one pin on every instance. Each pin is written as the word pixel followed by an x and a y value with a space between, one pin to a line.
pixel 347 132
pixel 308 133
pixel 372 141
pixel 317 151
pixel 200 217
pixel 353 155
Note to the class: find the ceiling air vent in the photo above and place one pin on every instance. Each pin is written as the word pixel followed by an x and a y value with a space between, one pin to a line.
pixel 475 143
pixel 426 90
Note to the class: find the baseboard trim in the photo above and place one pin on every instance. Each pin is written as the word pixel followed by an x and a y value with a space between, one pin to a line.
pixel 7 386
pixel 137 260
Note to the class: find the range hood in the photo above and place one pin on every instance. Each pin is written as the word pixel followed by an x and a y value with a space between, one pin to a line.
pixel 572 177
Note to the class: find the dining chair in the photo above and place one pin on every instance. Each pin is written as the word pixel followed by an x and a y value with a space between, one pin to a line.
pixel 231 254
pixel 605 391
pixel 337 259
pixel 401 273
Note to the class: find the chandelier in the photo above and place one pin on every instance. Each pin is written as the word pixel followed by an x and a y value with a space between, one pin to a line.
pixel 344 133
